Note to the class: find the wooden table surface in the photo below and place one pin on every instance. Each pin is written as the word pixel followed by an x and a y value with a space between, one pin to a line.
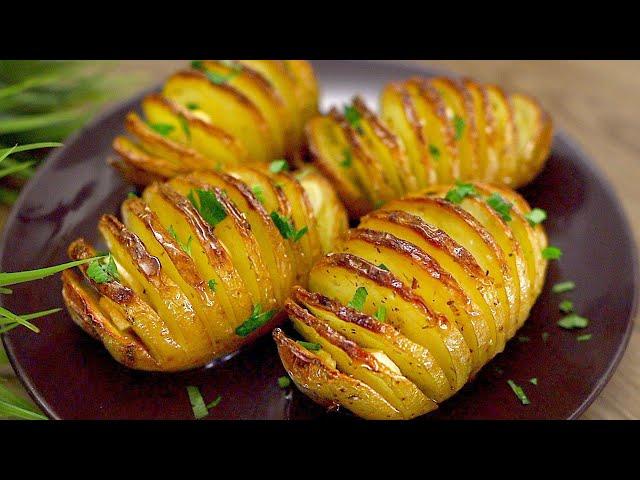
pixel 598 104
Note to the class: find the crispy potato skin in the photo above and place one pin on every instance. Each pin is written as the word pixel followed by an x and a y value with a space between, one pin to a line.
pixel 445 287
pixel 430 131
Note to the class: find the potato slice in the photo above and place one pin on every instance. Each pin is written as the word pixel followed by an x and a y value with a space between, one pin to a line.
pixel 506 134
pixel 381 375
pixel 305 87
pixel 139 159
pixel 415 362
pixel 339 275
pixel 452 256
pixel 181 268
pixel 211 258
pixel 85 311
pixel 327 386
pixel 275 250
pixel 426 278
pixel 226 108
pixel 469 233
pixel 399 112
pixel 485 128
pixel 145 322
pixel 212 142
pixel 134 175
pixel 459 109
pixel 331 155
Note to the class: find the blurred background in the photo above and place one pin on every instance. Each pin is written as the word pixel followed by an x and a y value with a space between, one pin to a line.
pixel 596 102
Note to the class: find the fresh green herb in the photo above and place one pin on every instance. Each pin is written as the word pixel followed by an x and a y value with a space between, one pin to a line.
pixel 215 77
pixel 381 313
pixel 533 381
pixel 9 320
pixel 573 320
pixel 458 124
pixel 184 124
pixel 258 192
pixel 352 116
pixel 563 287
pixel 193 106
pixel 434 151
pixel 460 192
pixel 519 392
pixel 163 129
pixel 523 339
pixel 314 347
pixel 208 205
pixel 103 270
pixel 545 337
pixel 14 406
pixel 551 253
pixel 132 195
pixel 278 166
pixel 13 278
pixel 197 64
pixel 383 267
pixel 215 403
pixel 197 403
pixel 286 227
pixel 566 306
pixel 256 320
pixel 6 291
pixel 536 216
pixel 347 158
pixel 3 356
pixel 500 205
pixel 284 382
pixel 357 302
pixel 498 370
pixel 212 285
pixel 186 247
pixel 584 338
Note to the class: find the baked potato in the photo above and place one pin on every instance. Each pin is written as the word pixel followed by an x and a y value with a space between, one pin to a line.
pixel 219 114
pixel 201 264
pixel 413 302
pixel 429 131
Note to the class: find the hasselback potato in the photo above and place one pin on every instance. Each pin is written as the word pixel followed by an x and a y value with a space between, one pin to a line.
pixel 201 264
pixel 415 300
pixel 429 131
pixel 219 114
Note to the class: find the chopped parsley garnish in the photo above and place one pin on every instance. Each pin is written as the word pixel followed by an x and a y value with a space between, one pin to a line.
pixel 284 382
pixel 545 337
pixel 460 192
pixel 352 116
pixel 458 124
pixel 434 151
pixel 517 389
pixel 383 267
pixel 193 106
pixel 563 287
pixel 186 247
pixel 551 253
pixel 212 285
pixel 566 306
pixel 536 216
pixel 381 313
pixel 256 320
pixel 347 158
pixel 533 381
pixel 584 338
pixel 197 64
pixel 132 195
pixel 573 320
pixel 500 205
pixel 278 166
pixel 208 206
pixel 215 77
pixel 197 403
pixel 215 403
pixel 286 227
pixel 357 302
pixel 258 192
pixel 314 347
pixel 163 129
pixel 184 123
pixel 103 270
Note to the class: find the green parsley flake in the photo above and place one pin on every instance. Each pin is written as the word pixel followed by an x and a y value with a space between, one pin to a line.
pixel 347 158
pixel 460 192
pixel 566 306
pixel 545 337
pixel 357 302
pixel 533 381
pixel 197 403
pixel 184 123
pixel 573 320
pixel 563 287
pixel 314 347
pixel 209 207
pixel 519 392
pixel 103 270
pixel 215 77
pixel 193 106
pixel 278 166
pixel 352 116
pixel 163 129
pixel 383 267
pixel 500 205
pixel 284 382
pixel 212 285
pixel 132 195
pixel 381 313
pixel 215 403
pixel 434 151
pixel 551 253
pixel 258 192
pixel 286 227
pixel 536 216
pixel 186 247
pixel 584 338
pixel 458 124
pixel 257 319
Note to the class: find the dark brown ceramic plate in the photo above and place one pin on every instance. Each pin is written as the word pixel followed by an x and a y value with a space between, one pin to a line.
pixel 72 377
